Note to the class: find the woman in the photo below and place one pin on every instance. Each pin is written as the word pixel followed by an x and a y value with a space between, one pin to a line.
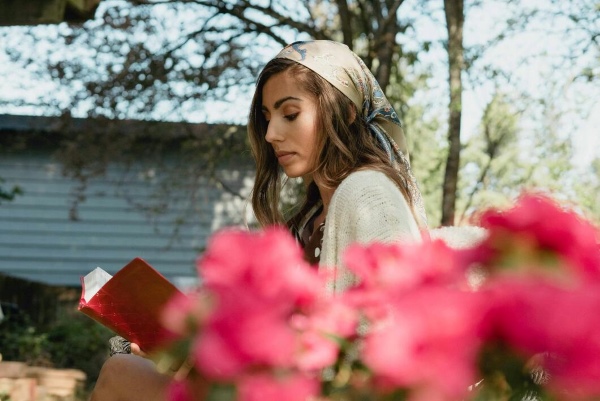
pixel 318 114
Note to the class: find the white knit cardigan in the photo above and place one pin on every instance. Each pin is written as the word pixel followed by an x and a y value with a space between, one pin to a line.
pixel 366 207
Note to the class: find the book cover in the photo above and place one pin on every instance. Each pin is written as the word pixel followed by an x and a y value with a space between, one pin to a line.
pixel 129 303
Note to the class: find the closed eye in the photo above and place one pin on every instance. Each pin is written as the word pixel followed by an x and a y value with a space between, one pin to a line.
pixel 291 117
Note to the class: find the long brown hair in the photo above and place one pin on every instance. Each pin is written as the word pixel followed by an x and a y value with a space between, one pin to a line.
pixel 344 140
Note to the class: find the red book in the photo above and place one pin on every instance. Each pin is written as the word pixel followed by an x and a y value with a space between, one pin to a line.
pixel 129 303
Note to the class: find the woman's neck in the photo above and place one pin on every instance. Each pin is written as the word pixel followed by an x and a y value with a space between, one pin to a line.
pixel 326 193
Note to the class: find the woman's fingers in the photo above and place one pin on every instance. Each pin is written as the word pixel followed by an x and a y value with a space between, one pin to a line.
pixel 136 350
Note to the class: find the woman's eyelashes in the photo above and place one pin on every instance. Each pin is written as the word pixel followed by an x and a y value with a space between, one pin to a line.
pixel 288 117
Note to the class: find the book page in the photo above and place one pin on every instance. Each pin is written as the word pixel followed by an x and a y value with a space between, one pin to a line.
pixel 93 281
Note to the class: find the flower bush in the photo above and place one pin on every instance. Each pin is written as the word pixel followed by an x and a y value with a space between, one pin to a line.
pixel 414 327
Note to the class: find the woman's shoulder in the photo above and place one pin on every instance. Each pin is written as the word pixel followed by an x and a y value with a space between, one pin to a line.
pixel 368 206
pixel 367 189
pixel 366 179
pixel 366 176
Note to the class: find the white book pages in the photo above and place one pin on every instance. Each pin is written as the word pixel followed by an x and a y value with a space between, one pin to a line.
pixel 93 281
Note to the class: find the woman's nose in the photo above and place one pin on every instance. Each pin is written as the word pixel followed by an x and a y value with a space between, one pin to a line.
pixel 273 133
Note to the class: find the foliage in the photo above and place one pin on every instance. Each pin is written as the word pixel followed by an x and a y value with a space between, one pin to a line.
pixel 8 195
pixel 487 158
pixel 73 341
pixel 508 155
pixel 197 60
pixel 572 24
pixel 176 158
pixel 164 60
pixel 20 339
pixel 424 321
pixel 188 60
pixel 588 191
pixel 77 342
pixel 428 153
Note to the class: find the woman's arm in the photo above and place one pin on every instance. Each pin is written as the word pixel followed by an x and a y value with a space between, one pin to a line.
pixel 127 377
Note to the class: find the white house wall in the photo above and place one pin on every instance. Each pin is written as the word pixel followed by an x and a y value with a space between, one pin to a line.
pixel 39 241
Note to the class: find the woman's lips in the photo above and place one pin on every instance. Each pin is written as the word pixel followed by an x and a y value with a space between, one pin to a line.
pixel 284 157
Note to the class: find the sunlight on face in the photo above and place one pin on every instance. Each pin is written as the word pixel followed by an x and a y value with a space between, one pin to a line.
pixel 291 113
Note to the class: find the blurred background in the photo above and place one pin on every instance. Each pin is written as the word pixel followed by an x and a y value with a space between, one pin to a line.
pixel 122 123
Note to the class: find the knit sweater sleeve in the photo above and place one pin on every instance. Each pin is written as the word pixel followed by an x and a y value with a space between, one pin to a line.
pixel 366 207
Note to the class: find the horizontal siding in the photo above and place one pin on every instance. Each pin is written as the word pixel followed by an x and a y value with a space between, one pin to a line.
pixel 74 267
pixel 95 253
pixel 39 242
pixel 122 215
pixel 92 240
pixel 13 226
pixel 95 202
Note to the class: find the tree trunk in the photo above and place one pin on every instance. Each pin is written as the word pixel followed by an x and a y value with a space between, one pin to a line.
pixel 346 23
pixel 454 21
pixel 385 41
pixel 385 54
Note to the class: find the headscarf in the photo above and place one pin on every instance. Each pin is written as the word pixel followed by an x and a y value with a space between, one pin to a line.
pixel 338 65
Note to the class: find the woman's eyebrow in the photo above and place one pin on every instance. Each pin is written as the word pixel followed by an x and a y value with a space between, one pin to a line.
pixel 280 102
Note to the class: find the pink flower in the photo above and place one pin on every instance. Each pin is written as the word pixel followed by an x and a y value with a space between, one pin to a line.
pixel 179 391
pixel 193 388
pixel 316 351
pixel 389 271
pixel 268 264
pixel 396 268
pixel 215 358
pixel 321 331
pixel 533 316
pixel 258 281
pixel 184 312
pixel 536 232
pixel 245 332
pixel 429 340
pixel 273 387
pixel 334 316
pixel 261 324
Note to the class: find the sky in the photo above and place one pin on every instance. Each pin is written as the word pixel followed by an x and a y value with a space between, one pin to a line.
pixel 520 55
pixel 532 76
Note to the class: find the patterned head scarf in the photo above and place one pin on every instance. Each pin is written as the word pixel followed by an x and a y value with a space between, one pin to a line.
pixel 337 64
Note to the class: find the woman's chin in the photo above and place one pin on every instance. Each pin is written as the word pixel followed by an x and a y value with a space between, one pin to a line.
pixel 298 171
pixel 293 173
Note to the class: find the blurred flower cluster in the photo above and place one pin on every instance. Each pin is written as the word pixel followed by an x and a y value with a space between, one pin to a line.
pixel 516 317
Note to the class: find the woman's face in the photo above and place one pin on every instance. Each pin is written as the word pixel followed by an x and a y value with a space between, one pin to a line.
pixel 291 114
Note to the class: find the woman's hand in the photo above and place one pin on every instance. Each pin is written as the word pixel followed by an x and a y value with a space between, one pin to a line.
pixel 178 368
pixel 164 363
pixel 136 350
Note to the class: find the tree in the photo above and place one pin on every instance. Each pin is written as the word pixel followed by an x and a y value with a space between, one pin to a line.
pixel 574 23
pixel 455 18
pixel 197 60
pixel 141 69
pixel 587 188
pixel 509 156
pixel 488 156
pixel 134 66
